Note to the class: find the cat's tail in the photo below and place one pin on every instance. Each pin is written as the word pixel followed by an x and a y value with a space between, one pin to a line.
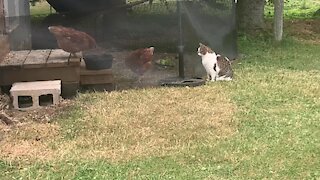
pixel 236 59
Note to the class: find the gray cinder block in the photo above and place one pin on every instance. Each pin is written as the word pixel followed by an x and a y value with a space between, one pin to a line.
pixel 35 89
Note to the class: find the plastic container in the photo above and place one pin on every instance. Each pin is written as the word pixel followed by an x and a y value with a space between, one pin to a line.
pixel 97 60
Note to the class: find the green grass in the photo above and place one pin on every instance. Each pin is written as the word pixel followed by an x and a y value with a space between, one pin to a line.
pixel 273 132
pixel 40 9
pixel 296 9
pixel 264 124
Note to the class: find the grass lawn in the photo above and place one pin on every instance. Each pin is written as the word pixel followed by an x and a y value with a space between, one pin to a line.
pixel 264 124
pixel 298 9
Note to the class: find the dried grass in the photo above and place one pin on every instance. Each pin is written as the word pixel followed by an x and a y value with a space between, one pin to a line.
pixel 28 141
pixel 129 124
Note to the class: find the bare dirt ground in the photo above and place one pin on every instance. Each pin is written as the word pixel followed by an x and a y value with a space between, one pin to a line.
pixel 304 30
pixel 126 79
pixel 12 117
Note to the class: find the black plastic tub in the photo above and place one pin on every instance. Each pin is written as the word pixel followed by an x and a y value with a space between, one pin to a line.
pixel 98 60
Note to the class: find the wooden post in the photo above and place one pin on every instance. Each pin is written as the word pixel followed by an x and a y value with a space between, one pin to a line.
pixel 2 19
pixel 4 42
pixel 17 23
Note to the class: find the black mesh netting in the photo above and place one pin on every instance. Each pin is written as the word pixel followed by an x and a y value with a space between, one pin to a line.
pixel 209 21
pixel 125 28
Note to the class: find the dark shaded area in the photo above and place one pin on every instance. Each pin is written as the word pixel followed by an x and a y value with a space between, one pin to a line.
pixel 45 100
pixel 81 6
pixel 317 13
pixel 156 25
pixel 25 101
pixel 116 30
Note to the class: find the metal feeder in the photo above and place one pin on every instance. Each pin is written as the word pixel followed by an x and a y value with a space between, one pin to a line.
pixel 181 81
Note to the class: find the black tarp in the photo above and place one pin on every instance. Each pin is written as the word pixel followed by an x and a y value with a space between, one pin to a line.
pixel 80 6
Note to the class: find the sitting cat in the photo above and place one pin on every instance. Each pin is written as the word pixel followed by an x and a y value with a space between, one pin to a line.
pixel 218 67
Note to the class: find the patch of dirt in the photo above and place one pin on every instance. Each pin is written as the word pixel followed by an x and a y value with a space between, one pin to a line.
pixel 304 30
pixel 126 79
pixel 44 114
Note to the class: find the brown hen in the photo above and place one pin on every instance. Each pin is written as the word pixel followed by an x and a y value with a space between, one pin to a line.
pixel 71 40
pixel 139 61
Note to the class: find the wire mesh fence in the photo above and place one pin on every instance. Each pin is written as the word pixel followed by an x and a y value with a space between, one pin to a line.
pixel 208 21
pixel 121 30
pixel 211 22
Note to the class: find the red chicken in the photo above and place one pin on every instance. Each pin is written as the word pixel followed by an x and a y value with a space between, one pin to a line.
pixel 71 40
pixel 139 61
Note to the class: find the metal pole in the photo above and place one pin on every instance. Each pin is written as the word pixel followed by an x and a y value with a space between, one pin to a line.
pixel 180 45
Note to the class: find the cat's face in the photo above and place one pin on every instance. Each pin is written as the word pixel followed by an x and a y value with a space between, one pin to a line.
pixel 203 50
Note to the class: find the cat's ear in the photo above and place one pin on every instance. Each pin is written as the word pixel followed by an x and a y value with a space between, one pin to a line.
pixel 200 44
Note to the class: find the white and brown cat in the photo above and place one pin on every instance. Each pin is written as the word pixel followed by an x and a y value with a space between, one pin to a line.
pixel 218 67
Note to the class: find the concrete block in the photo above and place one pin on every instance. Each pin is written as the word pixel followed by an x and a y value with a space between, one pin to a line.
pixel 35 92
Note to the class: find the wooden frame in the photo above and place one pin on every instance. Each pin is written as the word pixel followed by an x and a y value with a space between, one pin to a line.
pixel 2 18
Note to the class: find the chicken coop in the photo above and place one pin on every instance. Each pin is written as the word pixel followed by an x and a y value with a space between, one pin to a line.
pixel 123 29
pixel 15 22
